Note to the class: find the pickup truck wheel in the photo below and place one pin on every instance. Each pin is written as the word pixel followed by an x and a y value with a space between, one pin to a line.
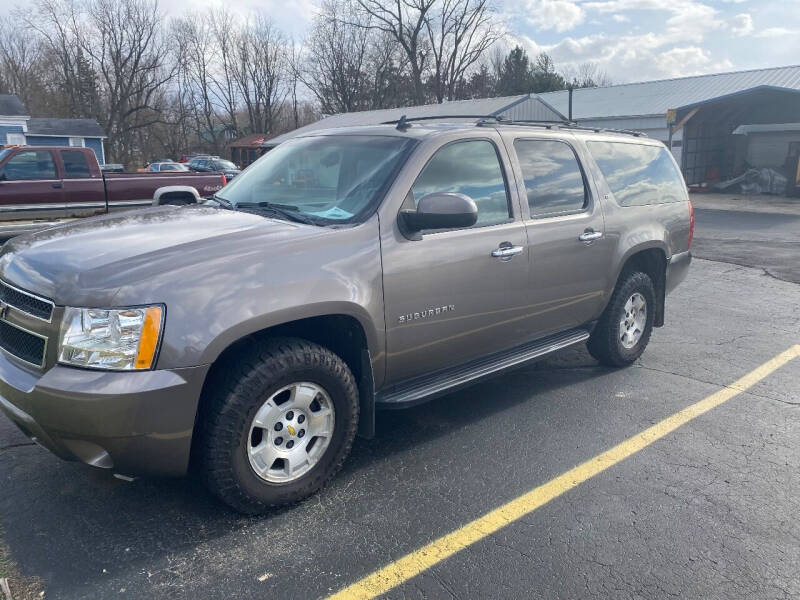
pixel 279 423
pixel 624 329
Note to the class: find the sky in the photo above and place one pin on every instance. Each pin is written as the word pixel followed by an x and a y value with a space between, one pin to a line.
pixel 631 40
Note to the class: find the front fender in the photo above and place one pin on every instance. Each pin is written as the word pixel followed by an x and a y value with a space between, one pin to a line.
pixel 291 314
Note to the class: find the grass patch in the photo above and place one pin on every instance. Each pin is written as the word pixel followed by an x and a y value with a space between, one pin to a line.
pixel 22 588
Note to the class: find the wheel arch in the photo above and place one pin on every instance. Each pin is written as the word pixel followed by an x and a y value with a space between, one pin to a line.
pixel 173 192
pixel 649 258
pixel 340 332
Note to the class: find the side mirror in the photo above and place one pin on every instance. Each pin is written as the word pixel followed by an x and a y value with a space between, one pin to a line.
pixel 440 210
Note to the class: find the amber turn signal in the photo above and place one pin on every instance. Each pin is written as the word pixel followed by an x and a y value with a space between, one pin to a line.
pixel 148 342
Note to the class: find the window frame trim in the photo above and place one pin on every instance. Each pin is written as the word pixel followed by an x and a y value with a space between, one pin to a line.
pixel 512 217
pixel 587 190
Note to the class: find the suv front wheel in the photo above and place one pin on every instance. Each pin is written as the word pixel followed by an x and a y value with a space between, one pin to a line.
pixel 624 329
pixel 278 424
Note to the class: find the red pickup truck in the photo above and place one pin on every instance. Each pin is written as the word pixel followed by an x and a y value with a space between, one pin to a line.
pixel 42 185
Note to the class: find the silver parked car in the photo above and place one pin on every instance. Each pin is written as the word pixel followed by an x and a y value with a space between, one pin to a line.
pixel 347 270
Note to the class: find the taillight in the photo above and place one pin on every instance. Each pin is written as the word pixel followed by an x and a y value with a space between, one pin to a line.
pixel 225 180
pixel 691 224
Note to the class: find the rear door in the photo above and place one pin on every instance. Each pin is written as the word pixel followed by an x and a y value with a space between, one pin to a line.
pixel 84 191
pixel 30 187
pixel 569 251
pixel 450 296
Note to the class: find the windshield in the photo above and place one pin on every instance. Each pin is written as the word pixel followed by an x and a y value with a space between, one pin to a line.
pixel 330 179
pixel 225 164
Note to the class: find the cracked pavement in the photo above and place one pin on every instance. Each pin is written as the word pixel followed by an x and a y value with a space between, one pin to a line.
pixel 766 240
pixel 709 511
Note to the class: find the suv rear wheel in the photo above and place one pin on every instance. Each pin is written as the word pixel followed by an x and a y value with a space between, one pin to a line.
pixel 279 423
pixel 624 329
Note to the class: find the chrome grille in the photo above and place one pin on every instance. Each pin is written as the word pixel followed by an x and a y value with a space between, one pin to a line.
pixel 23 344
pixel 26 302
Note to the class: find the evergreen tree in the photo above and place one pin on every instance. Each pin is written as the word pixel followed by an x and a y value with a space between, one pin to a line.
pixel 515 74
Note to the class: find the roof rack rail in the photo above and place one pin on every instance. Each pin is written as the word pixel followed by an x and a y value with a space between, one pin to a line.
pixel 404 122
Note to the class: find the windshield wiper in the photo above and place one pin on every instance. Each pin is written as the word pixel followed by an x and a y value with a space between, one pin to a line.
pixel 223 202
pixel 286 211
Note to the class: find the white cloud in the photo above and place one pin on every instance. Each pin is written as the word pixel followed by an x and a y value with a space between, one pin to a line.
pixel 619 18
pixel 560 15
pixel 741 24
pixel 631 57
pixel 772 32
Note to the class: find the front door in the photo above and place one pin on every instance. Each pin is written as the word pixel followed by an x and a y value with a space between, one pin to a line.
pixel 30 188
pixel 570 256
pixel 456 295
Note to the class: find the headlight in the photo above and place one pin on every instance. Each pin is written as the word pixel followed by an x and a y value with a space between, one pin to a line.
pixel 121 339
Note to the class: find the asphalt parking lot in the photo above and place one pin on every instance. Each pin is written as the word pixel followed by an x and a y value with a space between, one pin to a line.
pixel 708 510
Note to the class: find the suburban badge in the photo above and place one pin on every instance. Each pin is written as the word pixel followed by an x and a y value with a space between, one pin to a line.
pixel 426 314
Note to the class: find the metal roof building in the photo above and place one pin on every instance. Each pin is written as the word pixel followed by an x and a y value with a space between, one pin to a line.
pixel 654 98
pixel 643 106
pixel 524 107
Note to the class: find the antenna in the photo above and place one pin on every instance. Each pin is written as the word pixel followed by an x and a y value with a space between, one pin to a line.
pixel 403 124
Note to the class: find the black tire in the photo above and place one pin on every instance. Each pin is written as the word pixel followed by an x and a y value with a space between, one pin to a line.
pixel 239 389
pixel 605 343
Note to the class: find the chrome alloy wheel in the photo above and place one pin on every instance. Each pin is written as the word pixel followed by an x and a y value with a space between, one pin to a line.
pixel 632 324
pixel 290 432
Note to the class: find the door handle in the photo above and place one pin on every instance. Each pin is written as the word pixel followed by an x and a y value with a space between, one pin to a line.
pixel 590 235
pixel 506 251
pixel 57 186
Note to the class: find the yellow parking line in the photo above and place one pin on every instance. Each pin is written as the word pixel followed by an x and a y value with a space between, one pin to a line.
pixel 414 563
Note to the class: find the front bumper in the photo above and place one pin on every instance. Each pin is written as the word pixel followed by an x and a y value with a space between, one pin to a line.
pixel 131 422
pixel 677 269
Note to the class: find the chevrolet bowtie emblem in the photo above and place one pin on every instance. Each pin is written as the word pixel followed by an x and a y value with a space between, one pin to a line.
pixel 290 429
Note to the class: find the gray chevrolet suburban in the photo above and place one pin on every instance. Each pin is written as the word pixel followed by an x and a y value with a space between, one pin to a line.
pixel 250 338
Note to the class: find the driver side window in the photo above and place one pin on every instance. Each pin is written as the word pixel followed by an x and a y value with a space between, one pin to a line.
pixel 30 165
pixel 470 167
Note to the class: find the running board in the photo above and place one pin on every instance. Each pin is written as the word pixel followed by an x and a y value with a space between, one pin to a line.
pixel 419 389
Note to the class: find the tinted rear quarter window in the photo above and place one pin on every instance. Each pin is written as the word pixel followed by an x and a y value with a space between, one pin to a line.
pixel 75 165
pixel 553 178
pixel 638 174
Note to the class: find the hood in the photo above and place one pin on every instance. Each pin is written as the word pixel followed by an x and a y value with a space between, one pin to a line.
pixel 89 260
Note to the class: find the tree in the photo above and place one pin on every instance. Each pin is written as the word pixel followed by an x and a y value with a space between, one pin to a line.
pixel 403 21
pixel 515 77
pixel 337 55
pixel 261 72
pixel 544 75
pixel 585 75
pixel 22 65
pixel 459 32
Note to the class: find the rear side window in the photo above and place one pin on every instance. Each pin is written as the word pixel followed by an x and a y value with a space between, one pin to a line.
pixel 75 164
pixel 638 174
pixel 473 168
pixel 31 164
pixel 553 178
